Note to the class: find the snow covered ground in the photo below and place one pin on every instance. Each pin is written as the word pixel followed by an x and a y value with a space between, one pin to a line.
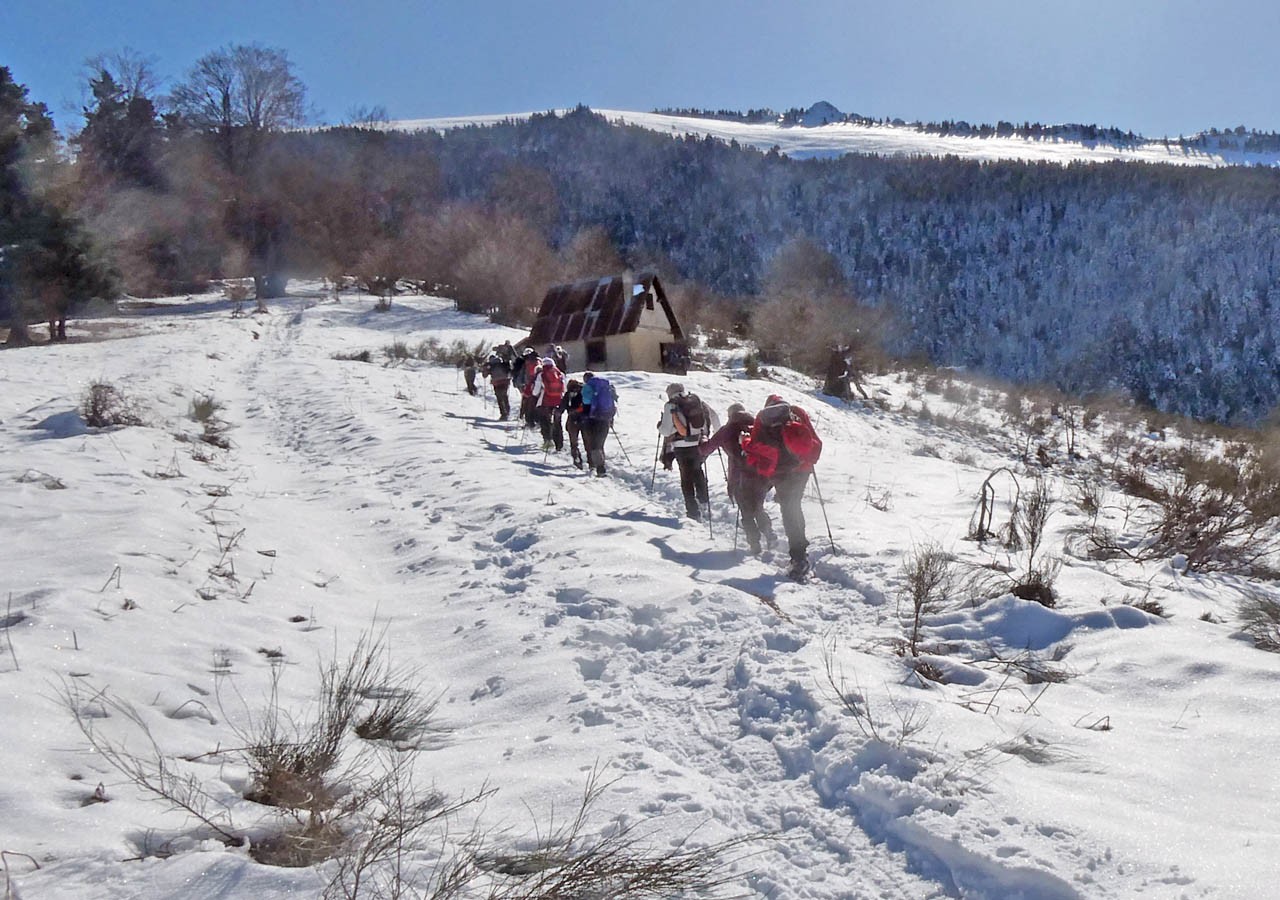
pixel 569 623
pixel 838 138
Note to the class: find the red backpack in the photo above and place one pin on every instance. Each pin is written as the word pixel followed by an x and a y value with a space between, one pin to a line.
pixel 782 437
pixel 552 386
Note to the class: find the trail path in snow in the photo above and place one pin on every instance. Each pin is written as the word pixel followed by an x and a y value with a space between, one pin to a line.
pixel 560 589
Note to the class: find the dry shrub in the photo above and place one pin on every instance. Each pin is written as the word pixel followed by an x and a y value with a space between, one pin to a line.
pixel 1260 617
pixel 928 580
pixel 1219 511
pixel 104 406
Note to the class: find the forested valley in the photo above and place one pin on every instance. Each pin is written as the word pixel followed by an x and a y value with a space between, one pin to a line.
pixel 1155 282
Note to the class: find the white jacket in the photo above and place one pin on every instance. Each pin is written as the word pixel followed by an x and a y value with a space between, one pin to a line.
pixel 673 427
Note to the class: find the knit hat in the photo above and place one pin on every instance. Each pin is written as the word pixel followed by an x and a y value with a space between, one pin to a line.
pixel 548 361
pixel 674 389
pixel 773 399
pixel 734 409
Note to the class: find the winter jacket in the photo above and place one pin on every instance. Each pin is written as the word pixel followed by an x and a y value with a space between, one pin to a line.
pixel 548 386
pixel 571 402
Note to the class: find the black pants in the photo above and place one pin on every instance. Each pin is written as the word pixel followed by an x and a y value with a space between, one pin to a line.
pixel 549 423
pixel 594 432
pixel 693 480
pixel 789 489
pixel 574 427
pixel 748 491
pixel 500 388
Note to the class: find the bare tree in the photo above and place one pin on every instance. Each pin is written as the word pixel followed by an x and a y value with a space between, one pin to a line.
pixel 241 90
pixel 134 74
pixel 240 94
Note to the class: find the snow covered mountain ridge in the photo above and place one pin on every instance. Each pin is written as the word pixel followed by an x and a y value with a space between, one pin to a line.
pixel 823 131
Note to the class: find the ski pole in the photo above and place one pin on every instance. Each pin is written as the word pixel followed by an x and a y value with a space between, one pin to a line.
pixel 625 455
pixel 656 452
pixel 710 532
pixel 823 505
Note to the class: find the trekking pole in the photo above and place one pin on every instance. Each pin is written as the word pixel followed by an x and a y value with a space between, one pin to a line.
pixel 710 532
pixel 823 505
pixel 625 455
pixel 657 451
pixel 737 517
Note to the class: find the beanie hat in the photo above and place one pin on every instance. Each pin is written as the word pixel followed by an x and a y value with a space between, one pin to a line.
pixel 773 399
pixel 734 409
pixel 548 361
pixel 674 389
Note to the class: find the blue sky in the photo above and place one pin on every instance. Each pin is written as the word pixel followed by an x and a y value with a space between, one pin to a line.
pixel 1154 66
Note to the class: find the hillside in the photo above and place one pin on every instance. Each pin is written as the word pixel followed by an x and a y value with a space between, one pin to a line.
pixel 903 140
pixel 276 503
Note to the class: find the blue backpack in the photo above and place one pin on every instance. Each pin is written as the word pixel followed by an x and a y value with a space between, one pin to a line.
pixel 604 400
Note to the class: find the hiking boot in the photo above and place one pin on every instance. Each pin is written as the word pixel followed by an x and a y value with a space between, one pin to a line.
pixel 754 549
pixel 577 461
pixel 799 570
pixel 546 446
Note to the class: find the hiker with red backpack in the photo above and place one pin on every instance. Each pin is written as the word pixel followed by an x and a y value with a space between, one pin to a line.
pixel 782 448
pixel 746 488
pixel 686 422
pixel 548 390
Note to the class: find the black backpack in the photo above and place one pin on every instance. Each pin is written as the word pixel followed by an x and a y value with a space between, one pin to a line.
pixel 693 411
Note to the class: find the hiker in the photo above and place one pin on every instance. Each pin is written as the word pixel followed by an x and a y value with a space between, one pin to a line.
pixel 600 403
pixel 523 379
pixel 572 408
pixel 498 370
pixel 561 357
pixel 508 353
pixel 746 488
pixel 469 373
pixel 686 422
pixel 837 382
pixel 783 447
pixel 548 391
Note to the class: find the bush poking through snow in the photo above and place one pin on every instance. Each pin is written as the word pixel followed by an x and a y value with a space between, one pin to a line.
pixel 1032 515
pixel 1219 512
pixel 909 718
pixel 982 525
pixel 617 863
pixel 401 716
pixel 205 409
pixel 104 406
pixel 928 580
pixel 1260 616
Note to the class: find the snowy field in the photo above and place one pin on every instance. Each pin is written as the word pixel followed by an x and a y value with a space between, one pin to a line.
pixel 839 138
pixel 568 623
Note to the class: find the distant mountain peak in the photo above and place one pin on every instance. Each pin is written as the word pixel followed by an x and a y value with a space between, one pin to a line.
pixel 821 113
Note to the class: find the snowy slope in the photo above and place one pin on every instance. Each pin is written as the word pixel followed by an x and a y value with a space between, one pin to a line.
pixel 838 138
pixel 568 622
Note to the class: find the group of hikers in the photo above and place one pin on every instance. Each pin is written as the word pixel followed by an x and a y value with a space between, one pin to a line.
pixel 551 401
pixel 774 449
